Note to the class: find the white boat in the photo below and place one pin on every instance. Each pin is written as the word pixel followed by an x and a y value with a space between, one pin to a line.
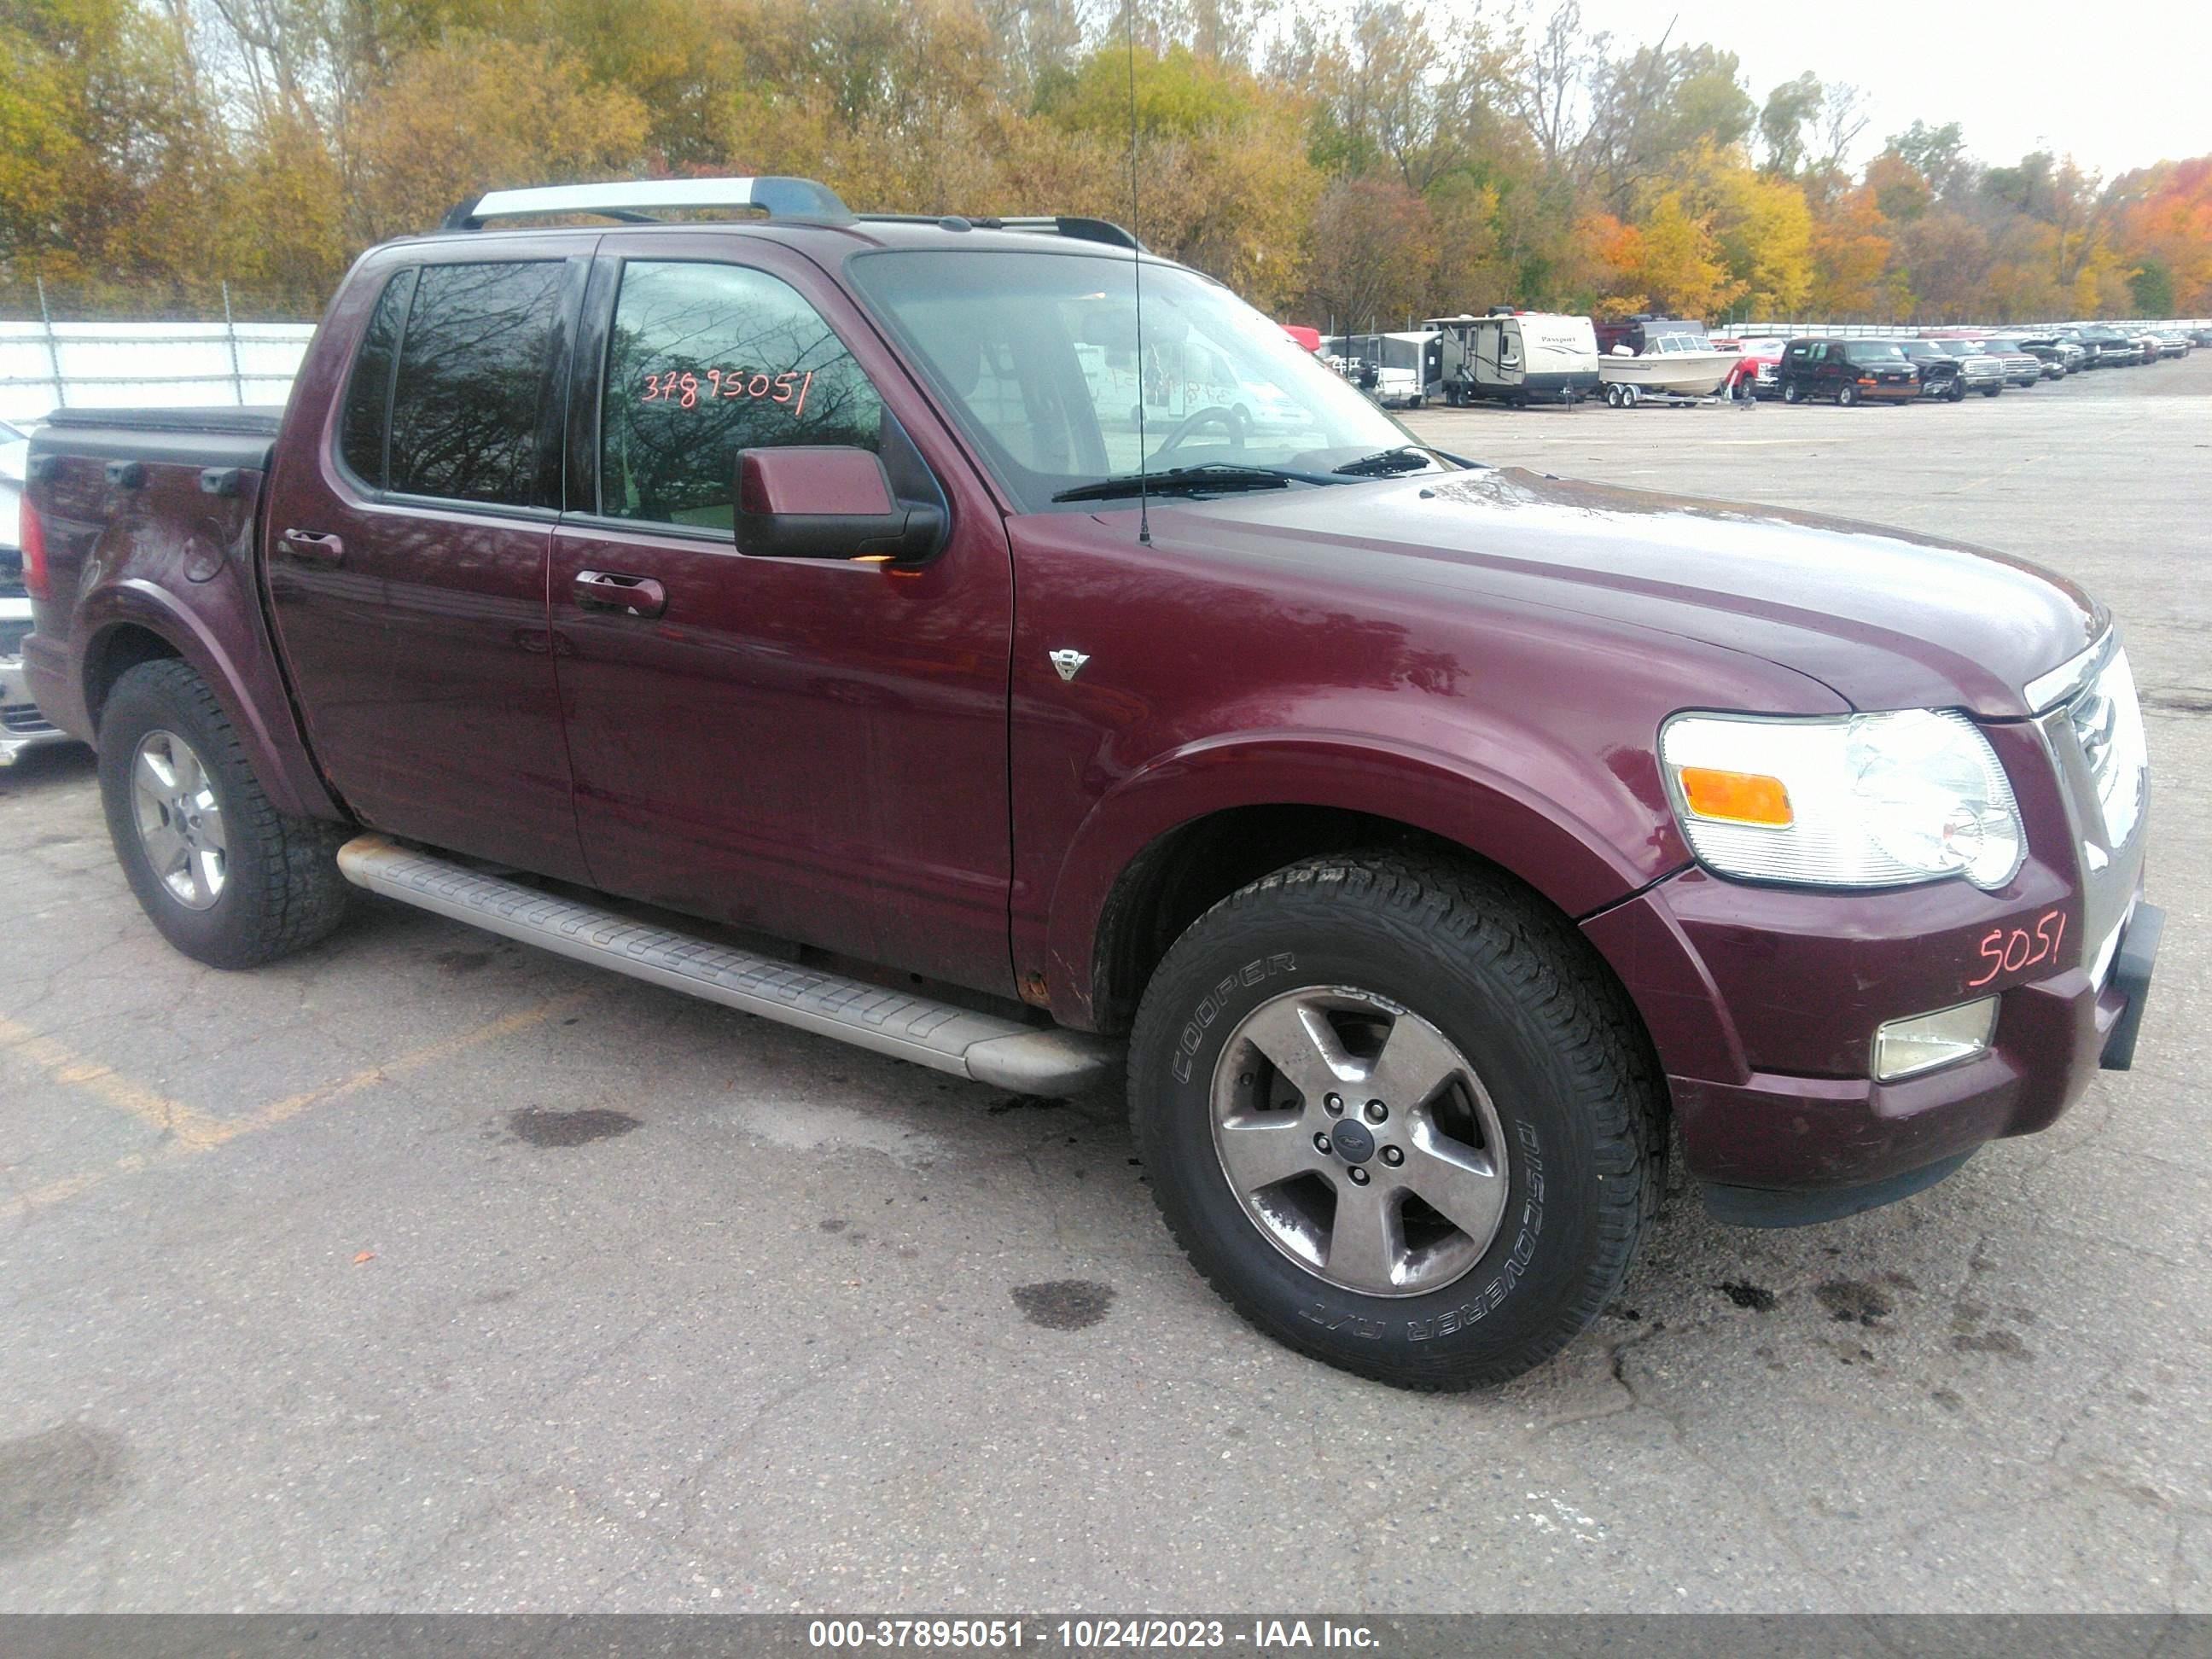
pixel 1683 365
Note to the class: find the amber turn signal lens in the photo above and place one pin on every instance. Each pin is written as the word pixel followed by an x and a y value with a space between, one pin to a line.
pixel 1737 797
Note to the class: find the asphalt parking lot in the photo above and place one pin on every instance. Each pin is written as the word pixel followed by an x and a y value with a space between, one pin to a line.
pixel 427 1271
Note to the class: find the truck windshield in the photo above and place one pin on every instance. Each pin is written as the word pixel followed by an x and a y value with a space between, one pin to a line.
pixel 1036 356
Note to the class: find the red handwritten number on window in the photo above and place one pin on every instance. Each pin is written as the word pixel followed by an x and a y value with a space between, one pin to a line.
pixel 684 389
pixel 2010 950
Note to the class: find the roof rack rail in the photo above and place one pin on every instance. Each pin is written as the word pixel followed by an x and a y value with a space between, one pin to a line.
pixel 1086 230
pixel 1083 230
pixel 633 202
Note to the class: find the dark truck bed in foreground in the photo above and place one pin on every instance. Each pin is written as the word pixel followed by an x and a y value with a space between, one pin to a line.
pixel 1427 836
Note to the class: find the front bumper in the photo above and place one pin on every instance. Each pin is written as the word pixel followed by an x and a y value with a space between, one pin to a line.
pixel 1897 1139
pixel 1762 1003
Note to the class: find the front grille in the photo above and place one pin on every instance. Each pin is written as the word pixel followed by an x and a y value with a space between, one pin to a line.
pixel 24 719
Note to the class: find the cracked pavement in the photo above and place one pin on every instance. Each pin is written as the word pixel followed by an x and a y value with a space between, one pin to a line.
pixel 500 1284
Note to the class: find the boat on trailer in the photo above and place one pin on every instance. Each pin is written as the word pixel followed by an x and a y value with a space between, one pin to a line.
pixel 1672 366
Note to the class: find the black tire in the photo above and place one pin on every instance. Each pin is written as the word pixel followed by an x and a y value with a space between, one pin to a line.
pixel 1957 392
pixel 281 889
pixel 1561 1055
pixel 1991 391
pixel 1847 396
pixel 1789 392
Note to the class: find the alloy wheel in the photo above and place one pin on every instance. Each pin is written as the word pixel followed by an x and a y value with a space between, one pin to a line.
pixel 179 820
pixel 1360 1141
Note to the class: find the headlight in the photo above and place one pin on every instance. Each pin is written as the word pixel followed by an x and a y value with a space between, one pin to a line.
pixel 1864 800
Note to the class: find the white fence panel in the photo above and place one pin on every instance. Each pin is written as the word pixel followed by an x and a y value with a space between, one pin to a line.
pixel 45 366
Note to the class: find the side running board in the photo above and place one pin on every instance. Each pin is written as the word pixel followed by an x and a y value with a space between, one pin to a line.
pixel 981 1047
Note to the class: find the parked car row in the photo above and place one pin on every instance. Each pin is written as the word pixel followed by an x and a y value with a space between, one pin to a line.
pixel 1944 366
pixel 1517 356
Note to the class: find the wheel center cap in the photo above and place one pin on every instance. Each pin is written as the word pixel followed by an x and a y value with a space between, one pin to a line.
pixel 1353 1144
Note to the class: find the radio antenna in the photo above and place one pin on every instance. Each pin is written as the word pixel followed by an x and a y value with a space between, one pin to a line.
pixel 1137 277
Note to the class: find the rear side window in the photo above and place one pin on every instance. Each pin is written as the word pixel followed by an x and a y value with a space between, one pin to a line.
pixel 369 393
pixel 704 361
pixel 475 379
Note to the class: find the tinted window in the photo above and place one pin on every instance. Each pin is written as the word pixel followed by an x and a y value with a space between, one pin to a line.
pixel 369 393
pixel 476 378
pixel 705 361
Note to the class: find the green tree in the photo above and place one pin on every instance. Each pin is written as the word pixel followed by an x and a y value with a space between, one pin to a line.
pixel 2152 284
pixel 1790 109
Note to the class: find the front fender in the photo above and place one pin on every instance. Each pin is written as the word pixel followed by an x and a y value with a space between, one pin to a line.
pixel 1581 836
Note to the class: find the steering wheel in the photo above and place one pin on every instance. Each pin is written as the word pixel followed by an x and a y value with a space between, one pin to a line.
pixel 1218 414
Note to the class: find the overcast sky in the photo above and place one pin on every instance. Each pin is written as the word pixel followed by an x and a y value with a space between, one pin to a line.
pixel 2117 84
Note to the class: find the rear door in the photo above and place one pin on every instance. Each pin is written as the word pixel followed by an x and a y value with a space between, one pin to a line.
pixel 815 748
pixel 1797 366
pixel 407 547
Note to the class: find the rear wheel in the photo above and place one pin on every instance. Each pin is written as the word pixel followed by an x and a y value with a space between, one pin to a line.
pixel 1789 392
pixel 224 876
pixel 1399 1116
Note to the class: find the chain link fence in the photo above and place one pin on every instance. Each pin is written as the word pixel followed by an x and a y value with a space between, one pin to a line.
pixel 208 349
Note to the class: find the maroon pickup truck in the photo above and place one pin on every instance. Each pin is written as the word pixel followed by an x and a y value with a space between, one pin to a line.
pixel 886 626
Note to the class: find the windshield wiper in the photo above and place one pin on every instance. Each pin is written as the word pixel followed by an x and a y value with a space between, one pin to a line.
pixel 1180 480
pixel 1382 462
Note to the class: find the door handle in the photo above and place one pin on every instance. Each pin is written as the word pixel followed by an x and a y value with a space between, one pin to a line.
pixel 313 547
pixel 609 590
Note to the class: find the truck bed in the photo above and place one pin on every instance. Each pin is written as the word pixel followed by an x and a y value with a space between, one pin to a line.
pixel 224 436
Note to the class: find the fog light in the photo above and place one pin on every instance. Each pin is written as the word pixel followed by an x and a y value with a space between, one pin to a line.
pixel 1905 1047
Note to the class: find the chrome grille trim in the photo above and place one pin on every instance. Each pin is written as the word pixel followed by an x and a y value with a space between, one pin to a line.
pixel 2046 691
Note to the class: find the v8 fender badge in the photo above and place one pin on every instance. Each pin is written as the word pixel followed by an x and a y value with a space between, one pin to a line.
pixel 1070 663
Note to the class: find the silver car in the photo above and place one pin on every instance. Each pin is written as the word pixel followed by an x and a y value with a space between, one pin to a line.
pixel 2022 368
pixel 1978 370
pixel 21 726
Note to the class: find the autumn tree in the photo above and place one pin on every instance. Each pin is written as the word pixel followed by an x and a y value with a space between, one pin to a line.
pixel 1851 252
pixel 1680 270
pixel 1374 252
pixel 1393 157
pixel 474 110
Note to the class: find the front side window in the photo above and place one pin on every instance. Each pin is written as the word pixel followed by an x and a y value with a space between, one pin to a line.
pixel 1038 356
pixel 704 361
pixel 476 376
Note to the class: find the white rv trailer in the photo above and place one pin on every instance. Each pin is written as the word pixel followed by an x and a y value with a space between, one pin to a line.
pixel 1516 357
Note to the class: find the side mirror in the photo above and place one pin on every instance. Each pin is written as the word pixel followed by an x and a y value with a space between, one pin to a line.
pixel 828 503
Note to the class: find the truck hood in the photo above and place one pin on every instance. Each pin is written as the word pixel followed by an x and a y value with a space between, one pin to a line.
pixel 1885 617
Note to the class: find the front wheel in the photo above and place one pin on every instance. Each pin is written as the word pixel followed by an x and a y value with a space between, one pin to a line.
pixel 1991 391
pixel 1957 394
pixel 1847 395
pixel 224 876
pixel 1399 1116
